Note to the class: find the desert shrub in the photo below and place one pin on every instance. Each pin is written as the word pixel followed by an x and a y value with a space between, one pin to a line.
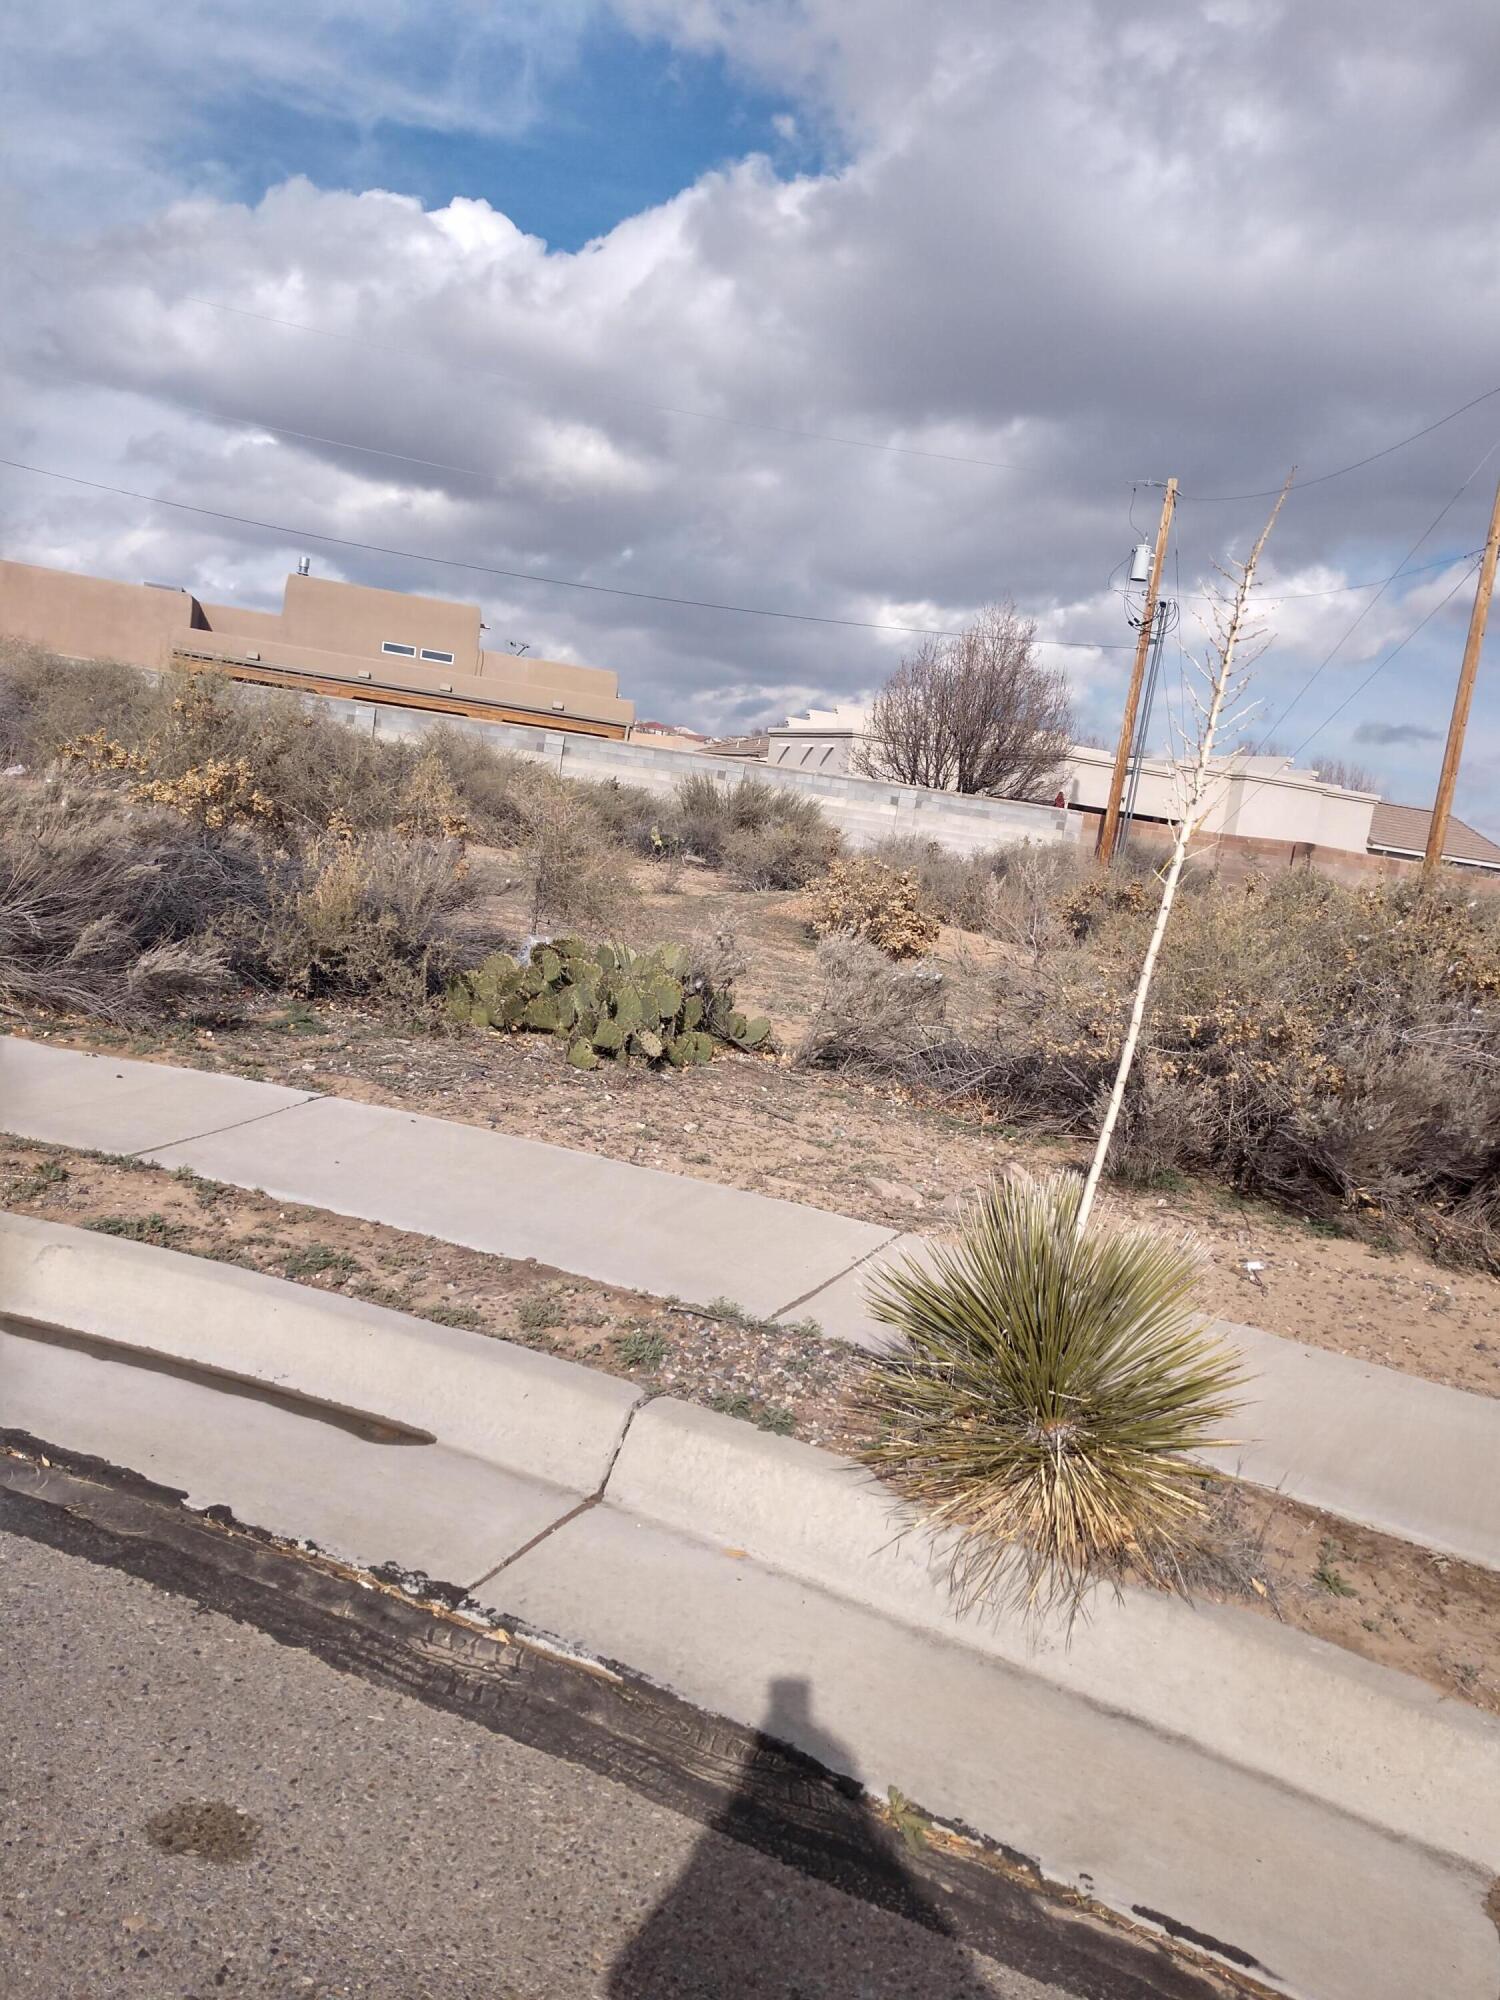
pixel 1100 896
pixel 872 1014
pixel 608 1004
pixel 702 817
pixel 1047 1395
pixel 643 823
pixel 874 902
pixel 494 787
pixel 430 806
pixel 1011 892
pixel 1346 1043
pixel 224 754
pixel 46 702
pixel 781 855
pixel 758 831
pixel 957 888
pixel 119 913
pixel 574 873
pixel 1331 1049
pixel 371 917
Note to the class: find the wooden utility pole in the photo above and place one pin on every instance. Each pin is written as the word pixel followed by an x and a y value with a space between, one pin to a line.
pixel 1109 832
pixel 1437 831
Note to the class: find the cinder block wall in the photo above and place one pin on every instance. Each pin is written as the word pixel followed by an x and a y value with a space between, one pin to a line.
pixel 863 810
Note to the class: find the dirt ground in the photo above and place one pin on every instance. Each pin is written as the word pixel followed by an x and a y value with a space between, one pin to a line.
pixel 1381 1598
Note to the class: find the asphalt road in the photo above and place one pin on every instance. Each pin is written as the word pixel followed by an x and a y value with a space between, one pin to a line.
pixel 371 1845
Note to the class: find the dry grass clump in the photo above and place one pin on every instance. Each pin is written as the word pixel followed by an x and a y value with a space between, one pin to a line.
pixel 1047 1395
pixel 869 900
pixel 117 912
pixel 128 912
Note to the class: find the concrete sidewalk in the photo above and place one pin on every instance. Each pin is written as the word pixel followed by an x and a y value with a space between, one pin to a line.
pixel 1389 1450
pixel 1328 1825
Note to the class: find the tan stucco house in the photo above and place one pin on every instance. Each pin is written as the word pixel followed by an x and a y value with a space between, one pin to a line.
pixel 346 639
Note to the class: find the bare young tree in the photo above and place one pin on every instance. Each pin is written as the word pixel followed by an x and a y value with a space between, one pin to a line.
pixel 975 713
pixel 1224 677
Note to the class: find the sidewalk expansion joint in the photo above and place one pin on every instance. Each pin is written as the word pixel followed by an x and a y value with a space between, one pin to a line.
pixel 234 1125
pixel 847 1272
pixel 584 1506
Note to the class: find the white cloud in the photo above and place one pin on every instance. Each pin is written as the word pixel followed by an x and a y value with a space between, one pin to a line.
pixel 1089 248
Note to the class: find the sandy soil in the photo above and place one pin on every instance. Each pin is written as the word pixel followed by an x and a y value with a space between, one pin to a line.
pixel 1394 1604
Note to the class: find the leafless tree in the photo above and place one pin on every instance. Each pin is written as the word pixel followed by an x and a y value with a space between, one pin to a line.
pixel 974 713
pixel 1353 777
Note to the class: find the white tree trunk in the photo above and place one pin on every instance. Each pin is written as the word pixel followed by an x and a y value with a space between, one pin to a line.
pixel 1192 812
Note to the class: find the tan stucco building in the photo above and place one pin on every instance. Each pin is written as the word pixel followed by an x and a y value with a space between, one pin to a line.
pixel 328 638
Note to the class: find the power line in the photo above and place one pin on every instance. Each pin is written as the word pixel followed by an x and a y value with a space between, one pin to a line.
pixel 1380 668
pixel 1270 596
pixel 523 575
pixel 1366 609
pixel 1258 784
pixel 781 430
pixel 481 472
pixel 1321 478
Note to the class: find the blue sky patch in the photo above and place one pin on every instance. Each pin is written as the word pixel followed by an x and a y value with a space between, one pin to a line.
pixel 626 124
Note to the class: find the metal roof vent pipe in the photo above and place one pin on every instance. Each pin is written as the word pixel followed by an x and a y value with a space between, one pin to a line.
pixel 304 565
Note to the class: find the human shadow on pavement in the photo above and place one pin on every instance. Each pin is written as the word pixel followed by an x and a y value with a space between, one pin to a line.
pixel 735 1924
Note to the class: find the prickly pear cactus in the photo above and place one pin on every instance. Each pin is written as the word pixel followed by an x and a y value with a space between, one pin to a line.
pixel 607 1003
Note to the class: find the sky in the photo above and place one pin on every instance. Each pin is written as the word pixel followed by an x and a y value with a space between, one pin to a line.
pixel 836 308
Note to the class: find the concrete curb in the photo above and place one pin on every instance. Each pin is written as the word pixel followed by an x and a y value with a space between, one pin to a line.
pixel 1245 1780
pixel 1372 1742
pixel 530 1414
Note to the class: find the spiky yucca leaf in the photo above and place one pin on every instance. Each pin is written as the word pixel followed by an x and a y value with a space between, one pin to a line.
pixel 1048 1393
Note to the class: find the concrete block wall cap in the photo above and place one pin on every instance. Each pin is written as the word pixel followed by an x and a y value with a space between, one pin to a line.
pixel 1370 1741
pixel 529 1413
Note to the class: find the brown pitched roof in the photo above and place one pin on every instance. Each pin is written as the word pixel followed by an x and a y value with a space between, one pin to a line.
pixel 1403 830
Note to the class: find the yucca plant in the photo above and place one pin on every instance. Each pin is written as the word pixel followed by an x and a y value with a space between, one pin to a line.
pixel 1047 1393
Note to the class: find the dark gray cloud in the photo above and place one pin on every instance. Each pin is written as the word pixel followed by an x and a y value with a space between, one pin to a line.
pixel 1386 734
pixel 1090 246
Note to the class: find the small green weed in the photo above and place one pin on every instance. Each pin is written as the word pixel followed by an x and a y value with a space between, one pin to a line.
pixel 729 1310
pixel 1330 1579
pixel 138 1228
pixel 207 1191
pixel 537 1311
pixel 315 1258
pixel 454 1315
pixel 36 1180
pixel 765 1416
pixel 641 1348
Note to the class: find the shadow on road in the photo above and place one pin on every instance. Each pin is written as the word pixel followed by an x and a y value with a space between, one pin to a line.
pixel 732 1925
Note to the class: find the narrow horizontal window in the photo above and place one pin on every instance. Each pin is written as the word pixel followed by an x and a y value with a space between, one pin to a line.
pixel 395 646
pixel 438 659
